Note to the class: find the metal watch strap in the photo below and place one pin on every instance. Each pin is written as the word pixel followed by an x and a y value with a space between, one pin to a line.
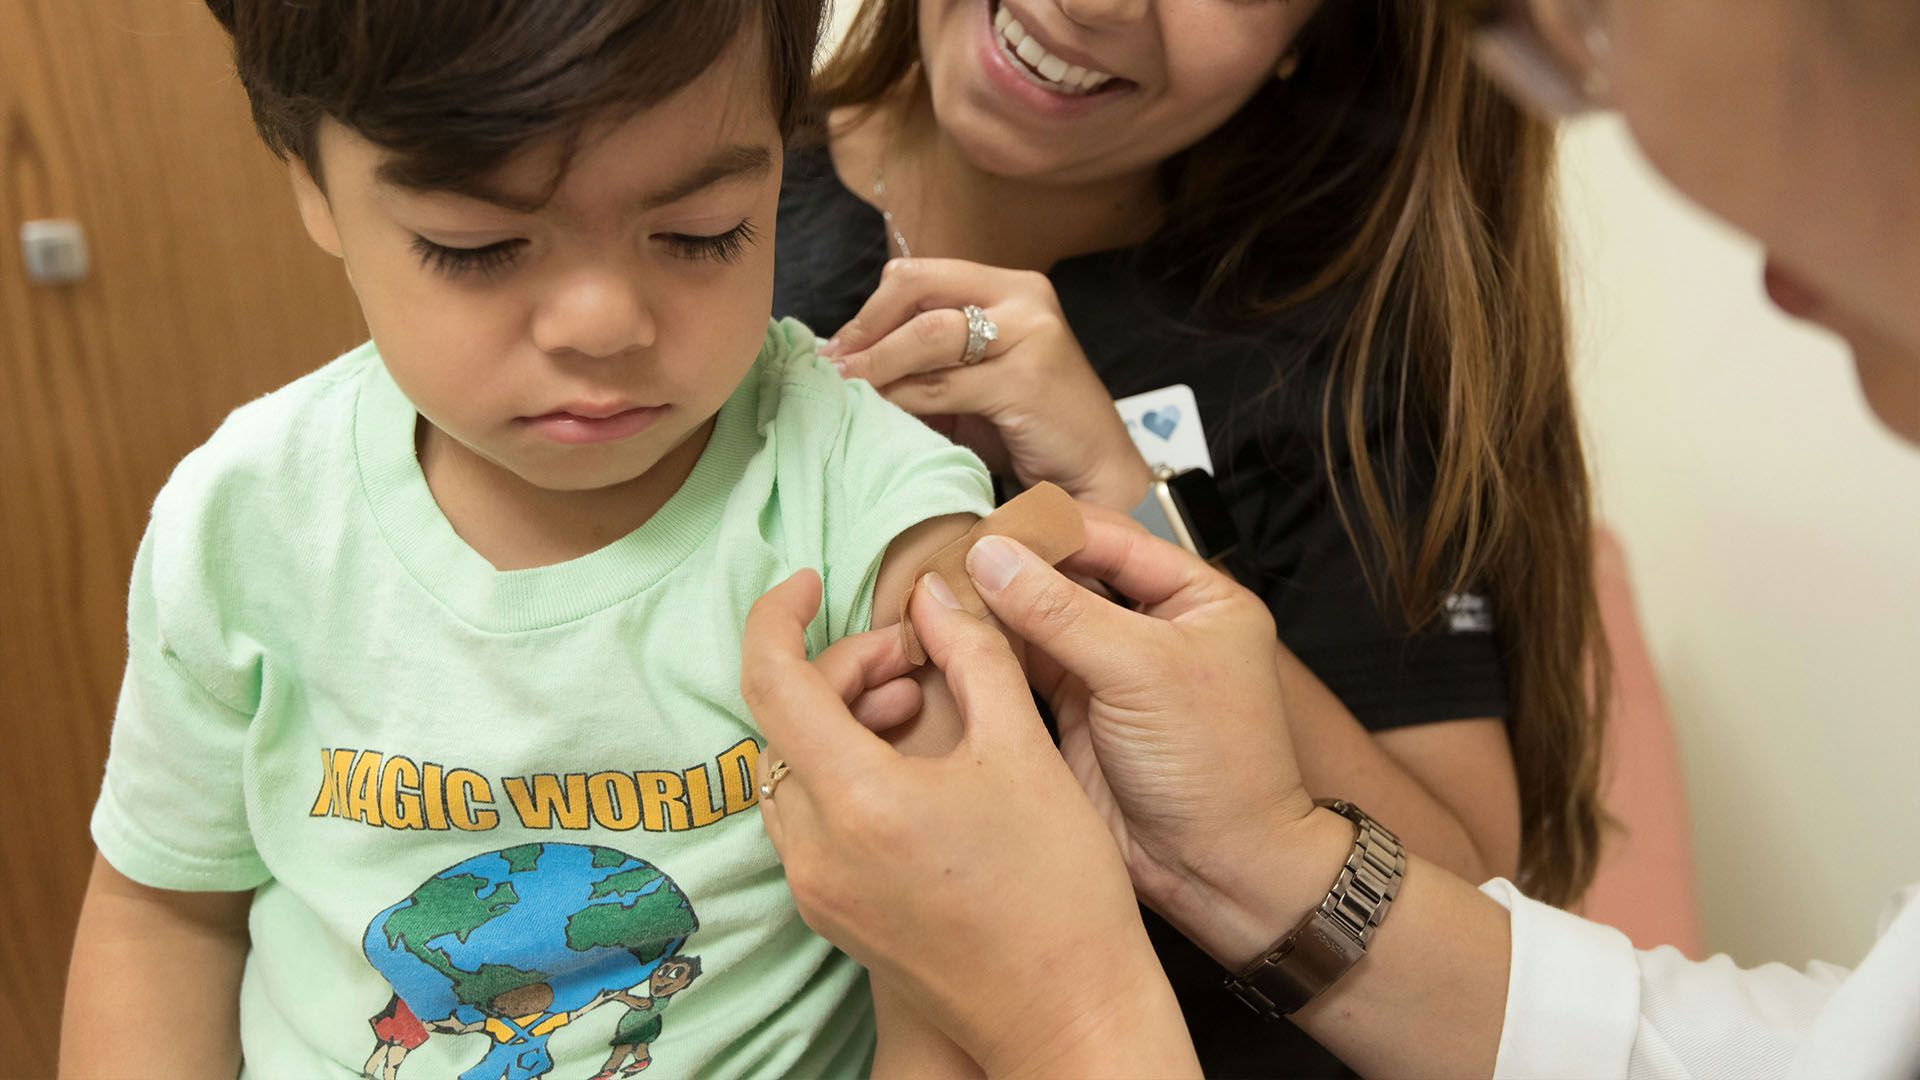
pixel 1334 936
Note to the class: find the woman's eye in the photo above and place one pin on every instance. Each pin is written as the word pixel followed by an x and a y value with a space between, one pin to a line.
pixel 725 247
pixel 454 262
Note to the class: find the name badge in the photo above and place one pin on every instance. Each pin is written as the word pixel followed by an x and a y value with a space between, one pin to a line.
pixel 1165 425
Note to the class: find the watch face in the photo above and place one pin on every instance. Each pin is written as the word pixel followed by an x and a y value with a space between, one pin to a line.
pixel 1152 514
pixel 1207 518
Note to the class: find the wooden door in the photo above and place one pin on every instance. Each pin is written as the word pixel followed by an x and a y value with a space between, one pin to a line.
pixel 123 115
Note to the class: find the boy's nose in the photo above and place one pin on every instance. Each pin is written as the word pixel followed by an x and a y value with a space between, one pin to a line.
pixel 597 315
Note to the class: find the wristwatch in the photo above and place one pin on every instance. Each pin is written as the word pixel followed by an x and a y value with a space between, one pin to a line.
pixel 1185 508
pixel 1334 936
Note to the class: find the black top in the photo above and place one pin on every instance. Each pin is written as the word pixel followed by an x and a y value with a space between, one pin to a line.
pixel 1259 396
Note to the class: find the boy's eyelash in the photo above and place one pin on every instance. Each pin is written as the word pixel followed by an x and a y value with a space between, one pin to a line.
pixel 454 262
pixel 726 247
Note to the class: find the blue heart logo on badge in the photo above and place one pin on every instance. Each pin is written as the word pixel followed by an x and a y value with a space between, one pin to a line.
pixel 1162 422
pixel 1168 427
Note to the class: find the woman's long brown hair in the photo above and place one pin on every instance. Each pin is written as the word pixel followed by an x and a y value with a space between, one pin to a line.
pixel 1389 177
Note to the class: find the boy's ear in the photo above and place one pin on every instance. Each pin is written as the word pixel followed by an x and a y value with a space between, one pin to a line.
pixel 315 212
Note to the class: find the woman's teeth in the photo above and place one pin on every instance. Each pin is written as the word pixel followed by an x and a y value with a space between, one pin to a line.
pixel 1057 73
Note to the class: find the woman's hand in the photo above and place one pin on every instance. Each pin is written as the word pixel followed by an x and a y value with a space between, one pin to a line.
pixel 1032 406
pixel 1170 716
pixel 980 884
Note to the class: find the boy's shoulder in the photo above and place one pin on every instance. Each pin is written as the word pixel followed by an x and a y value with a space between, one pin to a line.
pixel 792 375
pixel 280 444
pixel 851 472
pixel 813 414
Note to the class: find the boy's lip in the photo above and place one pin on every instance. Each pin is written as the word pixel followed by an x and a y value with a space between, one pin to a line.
pixel 590 410
pixel 584 423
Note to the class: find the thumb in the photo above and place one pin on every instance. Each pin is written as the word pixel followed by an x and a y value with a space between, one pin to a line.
pixel 1084 633
pixel 985 677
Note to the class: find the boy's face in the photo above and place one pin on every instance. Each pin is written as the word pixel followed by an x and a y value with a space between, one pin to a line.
pixel 577 344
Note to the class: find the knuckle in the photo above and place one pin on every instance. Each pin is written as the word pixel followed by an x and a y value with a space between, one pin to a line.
pixel 891 833
pixel 827 920
pixel 1049 611
pixel 934 386
pixel 1259 617
pixel 879 817
pixel 1269 630
pixel 1023 378
pixel 756 686
pixel 979 649
pixel 809 884
pixel 809 912
pixel 933 327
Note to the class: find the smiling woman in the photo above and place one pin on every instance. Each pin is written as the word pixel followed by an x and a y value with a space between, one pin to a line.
pixel 1169 688
pixel 1320 220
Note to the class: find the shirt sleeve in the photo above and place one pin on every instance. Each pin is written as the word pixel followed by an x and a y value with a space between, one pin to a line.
pixel 172 808
pixel 854 471
pixel 1581 1002
pixel 893 473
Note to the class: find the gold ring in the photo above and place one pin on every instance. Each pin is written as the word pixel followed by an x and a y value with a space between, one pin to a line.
pixel 775 773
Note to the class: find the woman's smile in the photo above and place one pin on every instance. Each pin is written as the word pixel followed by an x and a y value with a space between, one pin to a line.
pixel 1049 80
pixel 1059 71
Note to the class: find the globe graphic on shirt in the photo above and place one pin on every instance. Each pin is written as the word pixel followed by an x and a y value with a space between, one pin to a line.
pixel 583 920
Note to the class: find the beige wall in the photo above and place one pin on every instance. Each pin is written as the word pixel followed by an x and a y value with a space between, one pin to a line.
pixel 842 14
pixel 1774 530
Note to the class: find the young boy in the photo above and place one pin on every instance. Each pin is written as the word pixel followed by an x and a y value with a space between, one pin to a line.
pixel 431 741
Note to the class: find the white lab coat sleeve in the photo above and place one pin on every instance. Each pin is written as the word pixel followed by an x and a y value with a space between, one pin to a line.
pixel 1582 1002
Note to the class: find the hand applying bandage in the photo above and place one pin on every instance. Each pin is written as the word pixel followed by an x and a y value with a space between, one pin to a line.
pixel 879 845
pixel 1044 518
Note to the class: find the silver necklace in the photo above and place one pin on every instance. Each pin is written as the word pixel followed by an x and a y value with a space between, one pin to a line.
pixel 886 213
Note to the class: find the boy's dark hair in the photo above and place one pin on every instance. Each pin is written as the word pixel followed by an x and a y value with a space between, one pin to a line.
pixel 453 88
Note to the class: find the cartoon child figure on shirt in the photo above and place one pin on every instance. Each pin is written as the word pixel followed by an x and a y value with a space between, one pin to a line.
pixel 641 1024
pixel 397 1033
pixel 519 1021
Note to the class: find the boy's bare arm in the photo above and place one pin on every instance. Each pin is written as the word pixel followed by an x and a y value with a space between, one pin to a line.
pixel 154 988
pixel 909 1045
pixel 937 729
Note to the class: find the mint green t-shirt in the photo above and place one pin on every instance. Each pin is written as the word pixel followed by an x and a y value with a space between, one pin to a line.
pixel 477 805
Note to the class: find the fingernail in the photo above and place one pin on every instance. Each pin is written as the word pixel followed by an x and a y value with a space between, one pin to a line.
pixel 993 563
pixel 936 587
pixel 839 365
pixel 828 347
